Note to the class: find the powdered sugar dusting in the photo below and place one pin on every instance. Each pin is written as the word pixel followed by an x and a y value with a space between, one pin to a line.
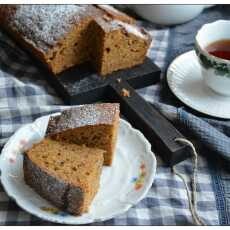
pixel 45 24
pixel 129 28
pixel 85 115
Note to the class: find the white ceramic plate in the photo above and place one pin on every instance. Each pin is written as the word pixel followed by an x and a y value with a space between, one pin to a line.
pixel 121 186
pixel 186 82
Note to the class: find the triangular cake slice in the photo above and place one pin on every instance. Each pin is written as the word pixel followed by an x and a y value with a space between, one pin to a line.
pixel 65 174
pixel 94 125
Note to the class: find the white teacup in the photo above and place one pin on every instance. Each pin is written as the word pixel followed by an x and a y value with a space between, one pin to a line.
pixel 215 71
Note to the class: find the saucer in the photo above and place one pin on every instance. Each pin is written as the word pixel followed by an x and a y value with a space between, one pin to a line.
pixel 186 82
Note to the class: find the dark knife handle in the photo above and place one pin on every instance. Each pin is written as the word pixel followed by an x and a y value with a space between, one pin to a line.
pixel 156 128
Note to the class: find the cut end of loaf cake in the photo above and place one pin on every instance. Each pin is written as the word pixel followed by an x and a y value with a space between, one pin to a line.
pixel 95 125
pixel 119 45
pixel 65 174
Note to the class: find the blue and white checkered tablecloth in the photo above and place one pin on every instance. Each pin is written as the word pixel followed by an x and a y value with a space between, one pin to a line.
pixel 26 95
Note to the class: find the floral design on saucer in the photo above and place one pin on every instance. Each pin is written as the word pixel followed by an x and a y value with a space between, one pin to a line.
pixel 139 181
pixel 19 148
pixel 54 211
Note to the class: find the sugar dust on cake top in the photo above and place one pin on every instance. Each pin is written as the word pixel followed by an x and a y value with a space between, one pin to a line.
pixel 64 36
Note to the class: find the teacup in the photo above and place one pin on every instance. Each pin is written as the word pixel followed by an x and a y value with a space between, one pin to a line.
pixel 215 70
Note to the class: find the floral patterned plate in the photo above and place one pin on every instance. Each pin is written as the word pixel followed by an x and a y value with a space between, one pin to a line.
pixel 121 186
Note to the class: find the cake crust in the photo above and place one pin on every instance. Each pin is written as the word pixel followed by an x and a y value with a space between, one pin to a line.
pixel 42 25
pixel 83 115
pixel 52 189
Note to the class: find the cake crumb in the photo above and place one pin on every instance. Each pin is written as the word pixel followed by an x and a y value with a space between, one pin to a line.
pixel 125 92
pixel 107 18
pixel 118 80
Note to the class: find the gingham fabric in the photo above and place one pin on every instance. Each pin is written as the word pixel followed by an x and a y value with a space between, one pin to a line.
pixel 26 95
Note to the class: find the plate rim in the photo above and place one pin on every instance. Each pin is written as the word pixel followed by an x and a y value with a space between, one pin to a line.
pixel 127 206
pixel 209 113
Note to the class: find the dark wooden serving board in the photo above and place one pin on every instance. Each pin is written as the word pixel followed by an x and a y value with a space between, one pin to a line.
pixel 81 85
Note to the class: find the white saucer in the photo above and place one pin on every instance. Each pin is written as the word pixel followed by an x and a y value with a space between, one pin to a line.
pixel 186 82
pixel 122 185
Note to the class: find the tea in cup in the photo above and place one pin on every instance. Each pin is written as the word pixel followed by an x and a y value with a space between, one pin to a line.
pixel 212 47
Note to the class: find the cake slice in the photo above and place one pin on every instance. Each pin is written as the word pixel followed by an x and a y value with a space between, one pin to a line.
pixel 94 125
pixel 65 174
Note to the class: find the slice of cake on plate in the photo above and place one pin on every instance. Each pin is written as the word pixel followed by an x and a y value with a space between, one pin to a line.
pixel 65 174
pixel 94 125
pixel 61 168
